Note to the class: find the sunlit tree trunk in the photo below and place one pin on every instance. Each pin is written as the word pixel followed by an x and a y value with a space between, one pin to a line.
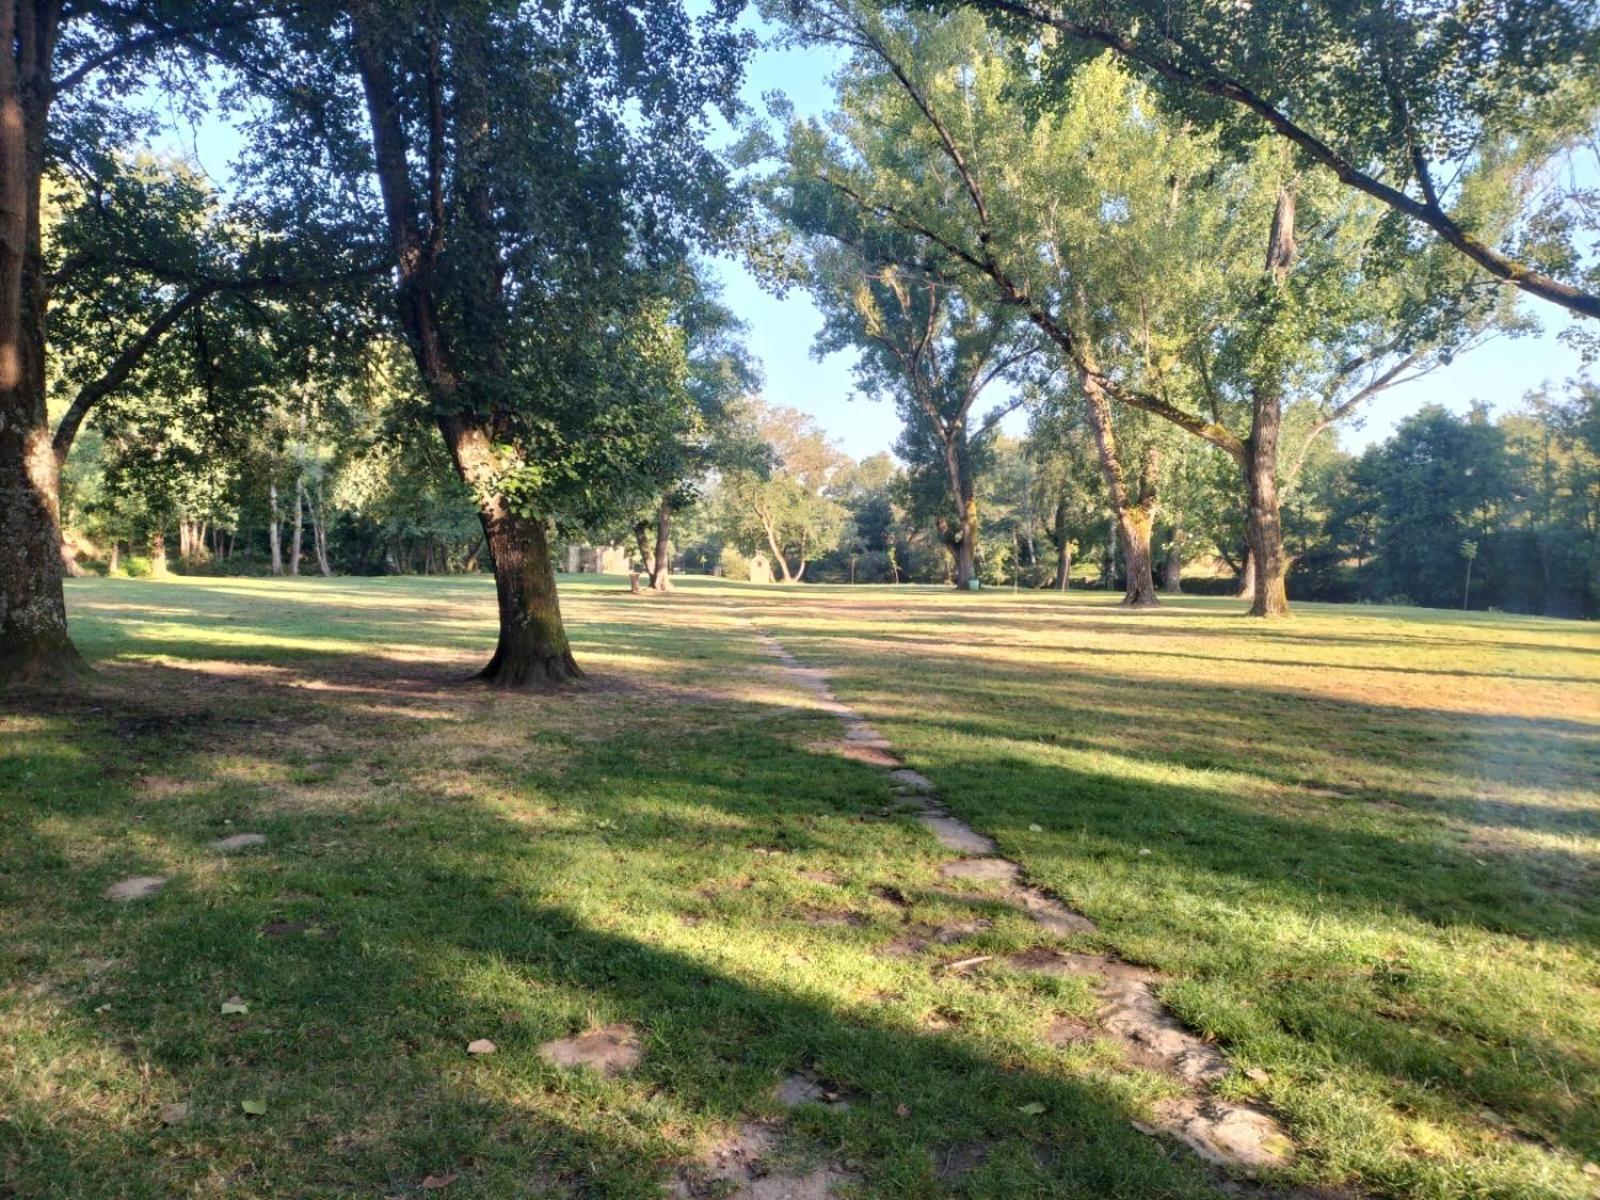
pixel 1134 516
pixel 1172 571
pixel 532 648
pixel 1063 548
pixel 34 644
pixel 661 570
pixel 274 528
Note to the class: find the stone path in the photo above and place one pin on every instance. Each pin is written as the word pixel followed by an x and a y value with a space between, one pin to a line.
pixel 1221 1131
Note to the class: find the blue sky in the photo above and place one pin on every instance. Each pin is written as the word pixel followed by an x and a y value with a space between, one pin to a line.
pixel 781 330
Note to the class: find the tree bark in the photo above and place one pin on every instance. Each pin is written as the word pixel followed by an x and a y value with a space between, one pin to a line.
pixel 963 494
pixel 777 550
pixel 532 649
pixel 34 644
pixel 1264 527
pixel 1063 548
pixel 299 526
pixel 319 536
pixel 1133 518
pixel 114 563
pixel 1247 576
pixel 1172 571
pixel 1264 522
pixel 158 551
pixel 274 529
pixel 660 574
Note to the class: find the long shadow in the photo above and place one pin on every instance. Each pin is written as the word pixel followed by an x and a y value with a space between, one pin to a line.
pixel 374 944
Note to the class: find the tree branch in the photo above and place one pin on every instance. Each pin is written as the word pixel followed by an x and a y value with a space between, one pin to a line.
pixel 1424 212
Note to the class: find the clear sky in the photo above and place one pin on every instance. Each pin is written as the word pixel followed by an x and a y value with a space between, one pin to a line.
pixel 781 330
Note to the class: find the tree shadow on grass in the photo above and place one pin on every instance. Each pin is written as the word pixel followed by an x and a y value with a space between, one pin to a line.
pixel 372 945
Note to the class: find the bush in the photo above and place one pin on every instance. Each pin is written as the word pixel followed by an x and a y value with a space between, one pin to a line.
pixel 733 565
pixel 136 566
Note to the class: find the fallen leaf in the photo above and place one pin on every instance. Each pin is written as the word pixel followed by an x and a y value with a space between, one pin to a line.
pixel 233 1006
pixel 254 1108
pixel 1035 828
pixel 1033 1109
pixel 900 1110
pixel 432 1183
pixel 481 1046
pixel 175 1114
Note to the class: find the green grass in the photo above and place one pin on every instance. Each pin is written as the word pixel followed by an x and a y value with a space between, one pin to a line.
pixel 1364 844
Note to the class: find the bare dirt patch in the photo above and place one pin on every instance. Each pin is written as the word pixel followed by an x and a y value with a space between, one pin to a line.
pixel 611 1050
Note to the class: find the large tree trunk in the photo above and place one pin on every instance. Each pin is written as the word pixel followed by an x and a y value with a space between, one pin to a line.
pixel 661 571
pixel 532 650
pixel 1134 518
pixel 158 551
pixel 1264 526
pixel 34 645
pixel 1264 523
pixel 963 495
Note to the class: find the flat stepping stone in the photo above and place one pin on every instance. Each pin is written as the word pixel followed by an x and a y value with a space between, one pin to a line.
pixel 1221 1132
pixel 1059 962
pixel 239 841
pixel 914 939
pixel 915 780
pixel 610 1050
pixel 982 870
pixel 137 887
pixel 871 756
pixel 955 834
pixel 860 731
pixel 1052 915
pixel 1134 1013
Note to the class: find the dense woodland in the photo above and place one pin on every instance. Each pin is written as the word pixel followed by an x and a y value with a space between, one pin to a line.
pixel 454 309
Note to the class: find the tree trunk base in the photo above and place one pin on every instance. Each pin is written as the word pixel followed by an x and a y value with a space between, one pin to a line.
pixel 528 672
pixel 53 664
pixel 1141 600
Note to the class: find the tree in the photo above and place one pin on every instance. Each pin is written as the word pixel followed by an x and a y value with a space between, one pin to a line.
pixel 783 506
pixel 540 171
pixel 1220 348
pixel 936 351
pixel 717 373
pixel 52 51
pixel 1391 99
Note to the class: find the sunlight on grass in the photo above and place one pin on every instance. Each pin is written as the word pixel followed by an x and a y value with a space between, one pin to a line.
pixel 1363 844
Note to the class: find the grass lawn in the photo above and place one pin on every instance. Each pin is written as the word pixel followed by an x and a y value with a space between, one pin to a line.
pixel 1364 846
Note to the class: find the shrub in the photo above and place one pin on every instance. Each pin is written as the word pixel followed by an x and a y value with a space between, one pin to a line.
pixel 733 565
pixel 136 566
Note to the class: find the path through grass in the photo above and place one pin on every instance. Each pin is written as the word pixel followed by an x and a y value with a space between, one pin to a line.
pixel 1364 844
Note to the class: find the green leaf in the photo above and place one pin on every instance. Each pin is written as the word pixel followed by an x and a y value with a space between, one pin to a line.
pixel 254 1108
pixel 1033 1109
